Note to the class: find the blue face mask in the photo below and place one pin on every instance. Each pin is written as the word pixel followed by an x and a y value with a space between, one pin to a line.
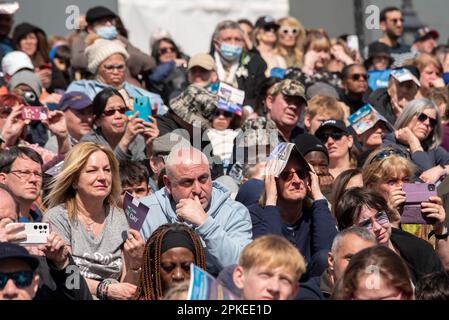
pixel 230 52
pixel 108 33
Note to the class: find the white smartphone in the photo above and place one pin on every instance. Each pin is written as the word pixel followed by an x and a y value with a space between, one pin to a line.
pixel 353 42
pixel 37 233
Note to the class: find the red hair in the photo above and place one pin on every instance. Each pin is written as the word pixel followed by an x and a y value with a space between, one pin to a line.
pixel 10 100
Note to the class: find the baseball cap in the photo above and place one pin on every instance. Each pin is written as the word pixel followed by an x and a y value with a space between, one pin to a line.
pixel 202 60
pixel 14 251
pixel 98 13
pixel 425 32
pixel 266 21
pixel 337 124
pixel 282 153
pixel 9 8
pixel 289 87
pixel 15 61
pixel 404 74
pixel 74 100
pixel 307 143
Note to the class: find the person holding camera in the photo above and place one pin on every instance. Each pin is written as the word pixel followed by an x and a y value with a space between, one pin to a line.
pixel 418 134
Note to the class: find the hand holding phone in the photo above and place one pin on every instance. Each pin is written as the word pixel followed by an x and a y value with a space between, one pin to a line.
pixel 36 233
pixel 35 113
pixel 415 194
pixel 143 106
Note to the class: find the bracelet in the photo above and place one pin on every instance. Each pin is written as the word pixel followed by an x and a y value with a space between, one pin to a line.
pixel 439 236
pixel 102 288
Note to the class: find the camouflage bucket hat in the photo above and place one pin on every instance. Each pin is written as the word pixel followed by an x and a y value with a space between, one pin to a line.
pixel 290 87
pixel 258 131
pixel 195 106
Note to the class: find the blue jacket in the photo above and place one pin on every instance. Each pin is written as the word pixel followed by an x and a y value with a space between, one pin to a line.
pixel 225 233
pixel 313 232
pixel 92 87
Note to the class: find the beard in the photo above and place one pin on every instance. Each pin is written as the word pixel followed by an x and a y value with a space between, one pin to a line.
pixel 392 35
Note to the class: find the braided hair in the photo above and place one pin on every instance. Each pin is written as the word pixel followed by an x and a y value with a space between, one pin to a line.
pixel 150 283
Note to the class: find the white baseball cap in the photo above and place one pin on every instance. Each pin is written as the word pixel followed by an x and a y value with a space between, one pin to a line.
pixel 15 61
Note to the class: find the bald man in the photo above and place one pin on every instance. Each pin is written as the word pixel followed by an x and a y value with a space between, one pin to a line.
pixel 190 197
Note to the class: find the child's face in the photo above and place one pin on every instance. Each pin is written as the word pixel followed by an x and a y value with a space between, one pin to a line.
pixel 136 190
pixel 262 283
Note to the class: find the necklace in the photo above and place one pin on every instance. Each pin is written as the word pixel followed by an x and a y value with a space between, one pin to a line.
pixel 88 227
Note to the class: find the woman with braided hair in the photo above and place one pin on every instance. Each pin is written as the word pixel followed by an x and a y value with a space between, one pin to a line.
pixel 166 260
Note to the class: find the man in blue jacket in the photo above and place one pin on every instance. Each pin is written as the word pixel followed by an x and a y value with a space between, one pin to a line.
pixel 190 197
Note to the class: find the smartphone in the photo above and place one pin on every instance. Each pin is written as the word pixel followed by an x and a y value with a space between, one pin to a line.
pixel 353 42
pixel 415 193
pixel 36 113
pixel 37 233
pixel 143 105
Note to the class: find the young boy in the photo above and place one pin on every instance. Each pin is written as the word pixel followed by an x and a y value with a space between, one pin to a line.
pixel 134 178
pixel 269 269
pixel 322 108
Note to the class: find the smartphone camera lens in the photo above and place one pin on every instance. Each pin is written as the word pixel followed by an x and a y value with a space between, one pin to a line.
pixel 431 187
pixel 35 227
pixel 40 227
pixel 45 227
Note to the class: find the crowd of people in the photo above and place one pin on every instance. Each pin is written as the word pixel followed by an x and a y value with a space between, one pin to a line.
pixel 328 221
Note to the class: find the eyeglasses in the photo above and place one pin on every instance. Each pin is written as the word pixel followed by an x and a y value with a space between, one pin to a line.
pixel 287 30
pixel 388 153
pixel 26 174
pixel 358 76
pixel 21 279
pixel 288 175
pixel 395 21
pixel 112 67
pixel 423 117
pixel 336 136
pixel 166 50
pixel 380 217
pixel 226 114
pixel 111 112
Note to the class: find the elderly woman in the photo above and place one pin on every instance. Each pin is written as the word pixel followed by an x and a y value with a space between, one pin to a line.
pixel 83 210
pixel 394 277
pixel 166 260
pixel 431 72
pixel 366 208
pixel 293 206
pixel 107 61
pixel 130 138
pixel 418 134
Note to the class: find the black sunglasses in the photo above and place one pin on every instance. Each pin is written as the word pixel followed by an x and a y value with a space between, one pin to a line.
pixel 357 76
pixel 111 112
pixel 336 136
pixel 21 279
pixel 288 175
pixel 226 114
pixel 166 50
pixel 270 27
pixel 423 117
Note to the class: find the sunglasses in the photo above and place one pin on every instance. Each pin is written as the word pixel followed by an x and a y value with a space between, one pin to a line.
pixel 287 30
pixel 111 67
pixel 166 50
pixel 388 153
pixel 226 114
pixel 358 76
pixel 288 175
pixel 111 112
pixel 423 117
pixel 21 279
pixel 380 217
pixel 336 136
pixel 395 21
pixel 270 27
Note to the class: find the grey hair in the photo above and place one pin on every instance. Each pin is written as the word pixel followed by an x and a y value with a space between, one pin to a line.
pixel 362 233
pixel 225 25
pixel 414 108
pixel 182 155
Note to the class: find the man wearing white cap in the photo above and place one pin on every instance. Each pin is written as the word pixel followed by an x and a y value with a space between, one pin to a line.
pixel 15 61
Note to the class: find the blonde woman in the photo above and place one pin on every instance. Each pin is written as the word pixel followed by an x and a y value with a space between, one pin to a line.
pixel 291 36
pixel 83 210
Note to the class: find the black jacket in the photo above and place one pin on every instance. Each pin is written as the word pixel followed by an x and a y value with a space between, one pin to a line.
pixel 381 101
pixel 256 74
pixel 418 254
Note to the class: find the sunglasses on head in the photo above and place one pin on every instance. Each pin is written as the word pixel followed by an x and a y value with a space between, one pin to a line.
pixel 288 175
pixel 288 30
pixel 226 114
pixel 335 135
pixel 388 153
pixel 358 76
pixel 166 50
pixel 111 112
pixel 21 279
pixel 423 117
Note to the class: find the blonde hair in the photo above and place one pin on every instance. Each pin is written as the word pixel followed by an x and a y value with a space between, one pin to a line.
pixel 324 105
pixel 317 39
pixel 273 251
pixel 424 59
pixel 62 190
pixel 378 171
pixel 300 38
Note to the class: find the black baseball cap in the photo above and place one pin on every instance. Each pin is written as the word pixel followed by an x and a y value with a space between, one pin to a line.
pixel 98 13
pixel 266 21
pixel 307 143
pixel 14 251
pixel 336 124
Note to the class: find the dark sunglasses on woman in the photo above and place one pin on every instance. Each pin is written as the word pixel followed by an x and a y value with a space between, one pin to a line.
pixel 358 76
pixel 423 117
pixel 335 135
pixel 111 112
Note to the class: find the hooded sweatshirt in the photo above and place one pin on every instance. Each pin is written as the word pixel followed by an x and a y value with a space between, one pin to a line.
pixel 224 234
